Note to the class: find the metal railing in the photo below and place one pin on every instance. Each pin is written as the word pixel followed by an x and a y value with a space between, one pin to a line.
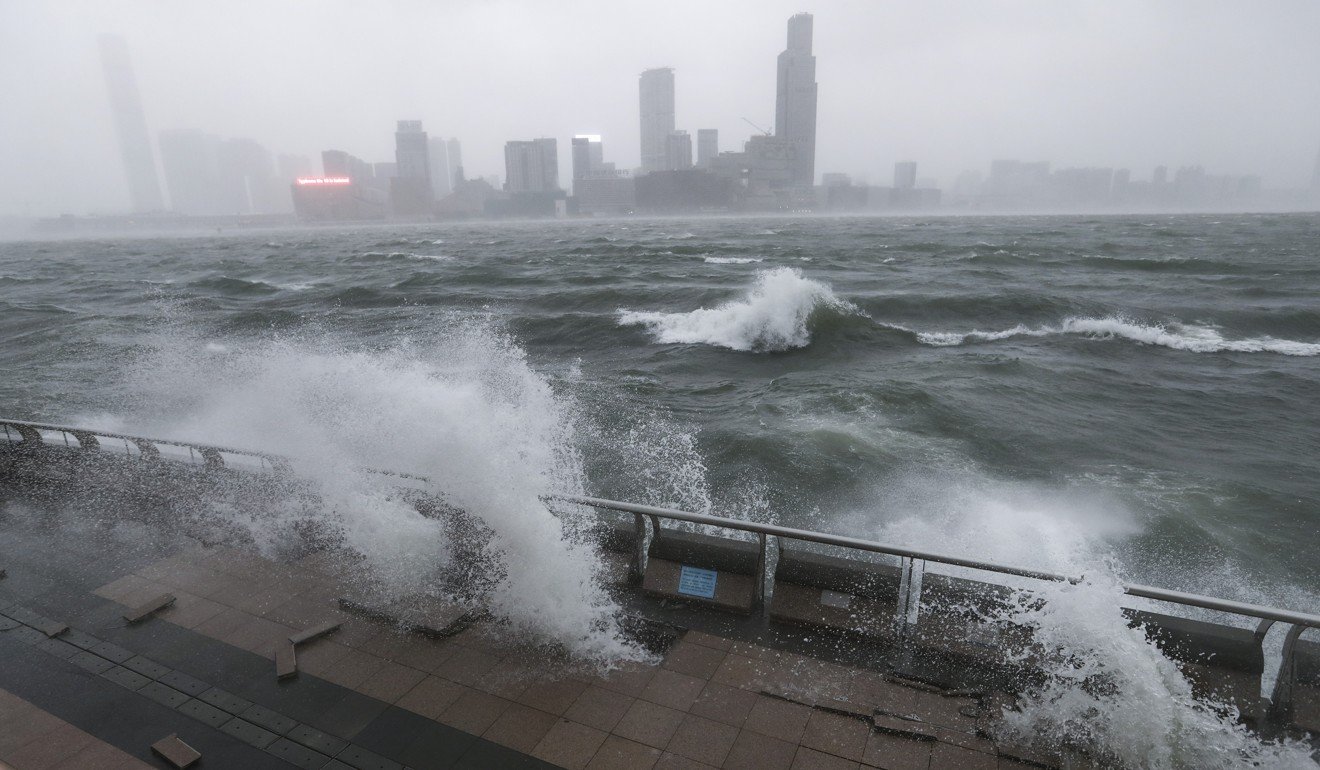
pixel 912 560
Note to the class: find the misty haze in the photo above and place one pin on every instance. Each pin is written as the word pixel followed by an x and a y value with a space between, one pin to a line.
pixel 610 385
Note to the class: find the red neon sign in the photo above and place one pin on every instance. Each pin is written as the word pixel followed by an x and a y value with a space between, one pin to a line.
pixel 323 180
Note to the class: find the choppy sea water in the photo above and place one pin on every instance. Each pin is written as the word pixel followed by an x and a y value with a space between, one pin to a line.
pixel 1126 397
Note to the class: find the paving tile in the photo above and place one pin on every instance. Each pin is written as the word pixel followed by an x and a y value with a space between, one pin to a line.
pixel 365 759
pixel 741 671
pixel 91 662
pixel 520 727
pixel 669 761
pixel 694 659
pixel 622 754
pixel 79 639
pixel 777 718
pixel 511 677
pixel 946 755
pixel 753 751
pixel 248 733
pixel 184 683
pixel 58 745
pixel 443 747
pixel 894 752
pixel 466 666
pixel 204 712
pixel 474 711
pixel 723 703
pixel 430 697
pixel 552 695
pixel 628 678
pixel 58 648
pixel 481 755
pixel 353 669
pixel 164 694
pixel 320 656
pixel 146 667
pixel 316 740
pixel 649 723
pixel 391 682
pixel 672 689
pixel 704 740
pixel 190 611
pixel 125 678
pixel 708 640
pixel 836 734
pixel 25 635
pixel 599 708
pixel 271 720
pixel 810 759
pixel 225 701
pixel 296 755
pixel 97 755
pixel 569 744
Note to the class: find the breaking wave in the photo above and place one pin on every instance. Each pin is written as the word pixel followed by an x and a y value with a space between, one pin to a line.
pixel 732 260
pixel 1179 336
pixel 465 410
pixel 775 314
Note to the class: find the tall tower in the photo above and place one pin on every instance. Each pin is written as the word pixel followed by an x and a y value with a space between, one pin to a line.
pixel 455 161
pixel 795 101
pixel 442 179
pixel 131 125
pixel 656 89
pixel 708 146
pixel 410 189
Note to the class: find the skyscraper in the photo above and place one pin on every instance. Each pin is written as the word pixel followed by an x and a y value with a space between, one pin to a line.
pixel 442 180
pixel 588 156
pixel 678 151
pixel 531 167
pixel 795 101
pixel 905 175
pixel 131 126
pixel 191 162
pixel 410 189
pixel 656 91
pixel 708 146
pixel 455 161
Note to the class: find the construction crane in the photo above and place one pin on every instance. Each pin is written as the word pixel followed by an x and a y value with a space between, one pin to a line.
pixel 758 128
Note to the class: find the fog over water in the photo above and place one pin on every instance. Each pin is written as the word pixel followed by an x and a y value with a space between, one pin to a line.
pixel 1231 86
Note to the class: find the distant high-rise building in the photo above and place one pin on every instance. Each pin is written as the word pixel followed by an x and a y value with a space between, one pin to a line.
pixel 678 151
pixel 455 161
pixel 410 189
pixel 531 167
pixel 191 162
pixel 1161 176
pixel 708 146
pixel 131 126
pixel 588 156
pixel 442 180
pixel 656 91
pixel 247 178
pixel 795 101
pixel 337 163
pixel 905 175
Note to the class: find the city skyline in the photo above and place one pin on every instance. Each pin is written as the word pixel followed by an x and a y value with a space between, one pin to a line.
pixel 1037 119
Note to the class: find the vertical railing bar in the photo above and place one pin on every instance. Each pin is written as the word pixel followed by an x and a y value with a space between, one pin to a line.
pixel 760 570
pixel 639 548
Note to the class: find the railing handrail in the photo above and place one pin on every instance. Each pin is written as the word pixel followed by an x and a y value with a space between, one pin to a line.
pixel 1132 589
pixel 1144 591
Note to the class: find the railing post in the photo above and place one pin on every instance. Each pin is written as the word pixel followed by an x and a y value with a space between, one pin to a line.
pixel 760 571
pixel 639 549
pixel 1281 702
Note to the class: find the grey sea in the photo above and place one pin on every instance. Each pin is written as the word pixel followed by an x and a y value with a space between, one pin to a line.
pixel 1131 397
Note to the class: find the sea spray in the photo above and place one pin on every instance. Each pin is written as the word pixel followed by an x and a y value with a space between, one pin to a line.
pixel 1178 336
pixel 464 410
pixel 774 314
pixel 1106 690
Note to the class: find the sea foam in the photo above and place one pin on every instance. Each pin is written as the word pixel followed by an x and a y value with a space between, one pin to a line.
pixel 1178 336
pixel 774 314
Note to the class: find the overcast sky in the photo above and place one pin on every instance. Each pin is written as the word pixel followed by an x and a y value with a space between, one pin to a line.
pixel 1233 86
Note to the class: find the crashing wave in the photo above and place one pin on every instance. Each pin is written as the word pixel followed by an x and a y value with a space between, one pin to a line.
pixel 775 314
pixel 732 260
pixel 1190 337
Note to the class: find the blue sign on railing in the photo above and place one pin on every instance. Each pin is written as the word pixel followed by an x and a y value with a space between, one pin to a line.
pixel 695 581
